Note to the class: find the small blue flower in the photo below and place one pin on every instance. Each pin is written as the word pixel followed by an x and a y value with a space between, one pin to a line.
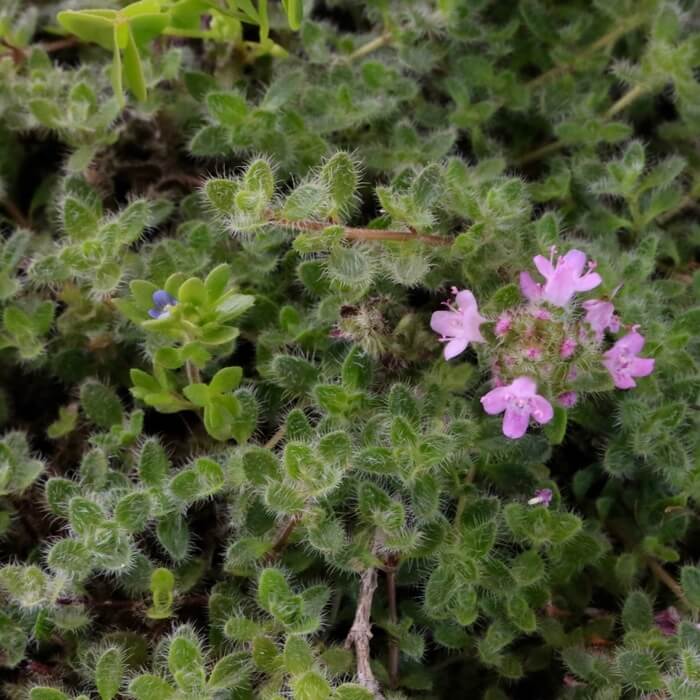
pixel 162 303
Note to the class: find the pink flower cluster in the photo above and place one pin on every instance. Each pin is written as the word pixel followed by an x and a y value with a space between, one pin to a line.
pixel 541 342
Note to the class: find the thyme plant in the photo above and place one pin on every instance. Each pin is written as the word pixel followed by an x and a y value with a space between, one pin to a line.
pixel 349 350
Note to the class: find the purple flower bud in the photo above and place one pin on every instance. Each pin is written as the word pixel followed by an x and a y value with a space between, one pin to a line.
pixel 162 302
pixel 542 497
pixel 533 353
pixel 567 348
pixel 667 621
pixel 568 399
pixel 502 325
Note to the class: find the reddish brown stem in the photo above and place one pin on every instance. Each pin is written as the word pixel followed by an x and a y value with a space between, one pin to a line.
pixel 366 234
pixel 15 214
pixel 67 43
pixel 283 537
pixel 18 54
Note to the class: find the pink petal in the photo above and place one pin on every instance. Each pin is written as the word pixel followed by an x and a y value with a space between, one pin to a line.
pixel 588 282
pixel 623 381
pixel 559 289
pixel 642 366
pixel 530 289
pixel 455 347
pixel 543 265
pixel 576 260
pixel 442 322
pixel 523 387
pixel 543 409
pixel 465 300
pixel 495 401
pixel 634 342
pixel 515 424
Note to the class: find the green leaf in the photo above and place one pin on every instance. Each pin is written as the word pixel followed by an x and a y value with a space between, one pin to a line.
pixel 70 557
pixel 90 26
pixel 640 671
pixel 45 693
pixel 108 673
pixel 230 672
pixel 226 379
pixel 637 613
pixel 133 69
pixel 193 292
pixel 217 281
pixel 298 656
pixel 295 14
pixel 341 177
pixel 133 511
pixel 149 687
pixel 311 686
pixel 100 404
pixel 174 535
pixel 555 430
pixel 162 593
pixel 352 691
pixel 227 108
pixel 690 581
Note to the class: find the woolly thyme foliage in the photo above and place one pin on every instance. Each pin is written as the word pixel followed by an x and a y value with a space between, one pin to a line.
pixel 234 461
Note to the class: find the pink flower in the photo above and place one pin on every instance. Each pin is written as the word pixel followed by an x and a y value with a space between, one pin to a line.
pixel 533 353
pixel 600 315
pixel 667 621
pixel 567 348
pixel 519 400
pixel 568 399
pixel 622 361
pixel 502 325
pixel 460 325
pixel 541 497
pixel 562 279
pixel 542 314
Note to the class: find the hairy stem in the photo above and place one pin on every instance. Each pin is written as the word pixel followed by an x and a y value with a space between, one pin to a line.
pixel 282 538
pixel 370 46
pixel 601 43
pixel 366 234
pixel 361 633
pixel 625 101
pixel 654 566
pixel 276 437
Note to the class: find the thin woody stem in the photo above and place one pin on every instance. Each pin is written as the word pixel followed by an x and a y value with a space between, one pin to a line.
pixel 361 633
pixel 60 44
pixel 371 46
pixel 15 214
pixel 625 101
pixel 603 42
pixel 283 537
pixel 366 234
pixel 654 566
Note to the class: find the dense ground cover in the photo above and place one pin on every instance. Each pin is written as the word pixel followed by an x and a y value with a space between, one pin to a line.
pixel 349 349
